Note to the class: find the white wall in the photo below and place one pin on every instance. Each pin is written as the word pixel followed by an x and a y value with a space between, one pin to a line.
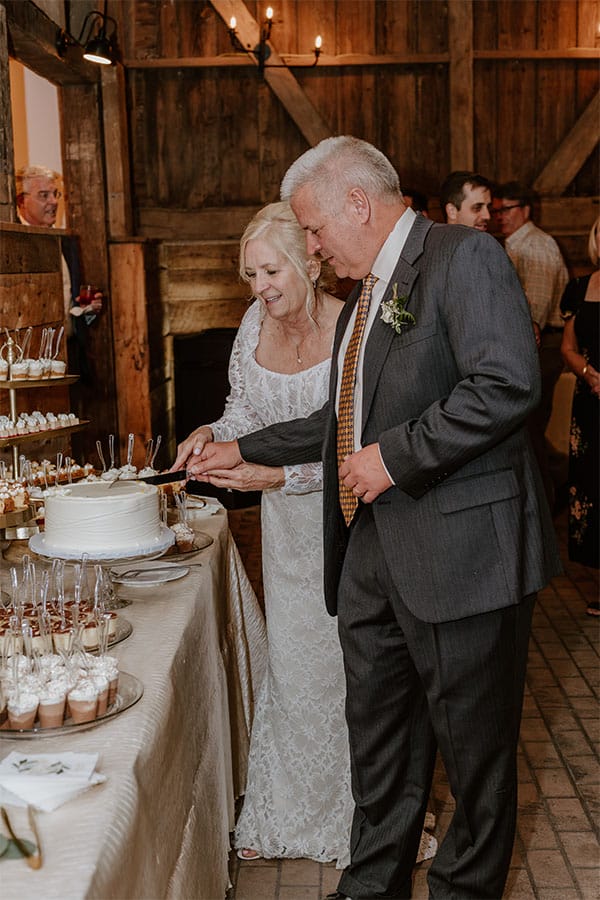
pixel 36 122
pixel 43 126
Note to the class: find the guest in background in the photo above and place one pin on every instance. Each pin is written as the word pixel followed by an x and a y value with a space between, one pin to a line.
pixel 580 308
pixel 38 195
pixel 465 199
pixel 298 801
pixel 543 276
pixel 416 200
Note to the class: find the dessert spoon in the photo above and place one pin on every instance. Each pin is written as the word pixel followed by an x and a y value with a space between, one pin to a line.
pixel 133 573
pixel 156 448
pixel 33 860
pixel 101 456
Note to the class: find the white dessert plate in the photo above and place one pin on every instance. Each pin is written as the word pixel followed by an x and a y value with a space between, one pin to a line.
pixel 151 573
pixel 129 692
pixel 202 507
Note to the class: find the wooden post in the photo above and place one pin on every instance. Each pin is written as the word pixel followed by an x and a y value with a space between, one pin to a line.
pixel 137 321
pixel 86 210
pixel 8 210
pixel 116 152
pixel 460 41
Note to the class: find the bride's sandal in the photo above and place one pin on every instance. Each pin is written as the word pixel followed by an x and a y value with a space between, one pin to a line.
pixel 247 854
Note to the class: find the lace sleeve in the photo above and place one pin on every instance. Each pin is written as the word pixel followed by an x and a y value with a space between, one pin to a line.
pixel 303 479
pixel 239 416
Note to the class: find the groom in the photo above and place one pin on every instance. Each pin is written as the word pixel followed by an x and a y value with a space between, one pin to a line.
pixel 433 576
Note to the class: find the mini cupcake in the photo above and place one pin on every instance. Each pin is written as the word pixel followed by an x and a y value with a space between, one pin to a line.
pixel 102 686
pixel 184 537
pixel 51 710
pixel 127 472
pixel 22 710
pixel 83 701
pixel 59 368
pixel 19 370
pixel 35 368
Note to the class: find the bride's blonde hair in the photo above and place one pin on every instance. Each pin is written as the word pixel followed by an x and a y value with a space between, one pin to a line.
pixel 277 224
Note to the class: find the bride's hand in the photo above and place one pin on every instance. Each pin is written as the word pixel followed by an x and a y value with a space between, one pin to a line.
pixel 247 477
pixel 192 447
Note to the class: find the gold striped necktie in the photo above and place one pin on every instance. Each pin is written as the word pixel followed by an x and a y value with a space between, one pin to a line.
pixel 345 429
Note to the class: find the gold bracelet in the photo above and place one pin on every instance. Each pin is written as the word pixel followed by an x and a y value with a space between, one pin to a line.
pixel 584 370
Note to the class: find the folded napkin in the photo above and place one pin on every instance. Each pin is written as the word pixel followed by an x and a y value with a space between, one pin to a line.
pixel 46 780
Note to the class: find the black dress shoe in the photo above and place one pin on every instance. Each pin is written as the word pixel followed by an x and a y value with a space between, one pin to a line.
pixel 337 896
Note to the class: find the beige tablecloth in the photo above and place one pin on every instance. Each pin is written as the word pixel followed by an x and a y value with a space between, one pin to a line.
pixel 159 827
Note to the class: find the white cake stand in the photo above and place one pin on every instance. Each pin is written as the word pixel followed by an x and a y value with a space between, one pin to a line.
pixel 42 547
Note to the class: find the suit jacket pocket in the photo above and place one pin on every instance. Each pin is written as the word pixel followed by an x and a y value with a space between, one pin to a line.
pixel 410 334
pixel 477 490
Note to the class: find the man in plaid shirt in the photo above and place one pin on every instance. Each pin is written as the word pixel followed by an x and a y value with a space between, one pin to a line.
pixel 543 276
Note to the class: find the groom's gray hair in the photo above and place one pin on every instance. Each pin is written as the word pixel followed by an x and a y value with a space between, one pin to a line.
pixel 339 163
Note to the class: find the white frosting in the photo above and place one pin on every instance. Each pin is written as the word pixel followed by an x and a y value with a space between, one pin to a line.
pixel 25 703
pixel 85 690
pixel 122 520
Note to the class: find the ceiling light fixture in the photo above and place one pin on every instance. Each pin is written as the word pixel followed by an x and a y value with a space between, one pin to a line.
pixel 98 46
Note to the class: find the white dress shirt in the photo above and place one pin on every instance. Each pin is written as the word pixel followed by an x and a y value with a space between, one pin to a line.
pixel 383 268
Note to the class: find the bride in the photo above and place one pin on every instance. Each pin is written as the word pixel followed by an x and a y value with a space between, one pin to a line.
pixel 298 801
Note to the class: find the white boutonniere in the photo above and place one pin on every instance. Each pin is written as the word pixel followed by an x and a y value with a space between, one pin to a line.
pixel 393 312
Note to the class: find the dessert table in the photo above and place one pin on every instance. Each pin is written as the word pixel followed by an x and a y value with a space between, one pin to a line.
pixel 175 762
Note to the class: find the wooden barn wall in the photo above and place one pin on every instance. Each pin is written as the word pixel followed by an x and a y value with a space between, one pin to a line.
pixel 218 137
pixel 524 108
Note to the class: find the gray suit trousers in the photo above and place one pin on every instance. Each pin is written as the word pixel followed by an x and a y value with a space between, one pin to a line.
pixel 413 685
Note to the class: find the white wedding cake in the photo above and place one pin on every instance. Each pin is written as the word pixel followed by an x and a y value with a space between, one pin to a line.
pixel 105 521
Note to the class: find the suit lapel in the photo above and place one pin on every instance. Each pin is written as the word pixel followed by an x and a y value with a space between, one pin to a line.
pixel 381 334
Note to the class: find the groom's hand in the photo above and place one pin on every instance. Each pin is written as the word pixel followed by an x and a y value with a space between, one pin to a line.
pixel 215 455
pixel 364 473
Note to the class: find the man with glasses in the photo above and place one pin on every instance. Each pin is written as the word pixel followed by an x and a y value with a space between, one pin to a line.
pixel 465 199
pixel 543 275
pixel 37 206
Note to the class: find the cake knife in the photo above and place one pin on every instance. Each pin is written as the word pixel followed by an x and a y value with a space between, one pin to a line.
pixel 164 477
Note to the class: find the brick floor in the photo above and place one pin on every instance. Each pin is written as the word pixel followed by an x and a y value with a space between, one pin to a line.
pixel 556 855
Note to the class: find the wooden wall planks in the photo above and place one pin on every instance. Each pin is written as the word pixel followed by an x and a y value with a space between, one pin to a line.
pixel 214 137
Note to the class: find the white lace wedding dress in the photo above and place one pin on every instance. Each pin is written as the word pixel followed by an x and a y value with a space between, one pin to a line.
pixel 298 801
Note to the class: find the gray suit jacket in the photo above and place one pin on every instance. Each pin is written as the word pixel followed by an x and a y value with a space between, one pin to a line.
pixel 466 528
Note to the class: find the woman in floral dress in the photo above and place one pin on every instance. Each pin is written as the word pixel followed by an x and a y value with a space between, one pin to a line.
pixel 580 307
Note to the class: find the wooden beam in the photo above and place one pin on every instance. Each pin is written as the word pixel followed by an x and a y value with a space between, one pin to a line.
pixel 33 37
pixel 116 152
pixel 572 152
pixel 8 210
pixel 292 60
pixel 547 55
pixel 460 40
pixel 281 81
pixel 210 223
pixel 303 60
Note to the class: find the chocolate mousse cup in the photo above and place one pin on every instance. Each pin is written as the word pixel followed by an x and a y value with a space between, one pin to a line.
pixel 51 713
pixel 82 708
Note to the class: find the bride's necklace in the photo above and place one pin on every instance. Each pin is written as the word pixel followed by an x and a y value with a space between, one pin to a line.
pixel 297 346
